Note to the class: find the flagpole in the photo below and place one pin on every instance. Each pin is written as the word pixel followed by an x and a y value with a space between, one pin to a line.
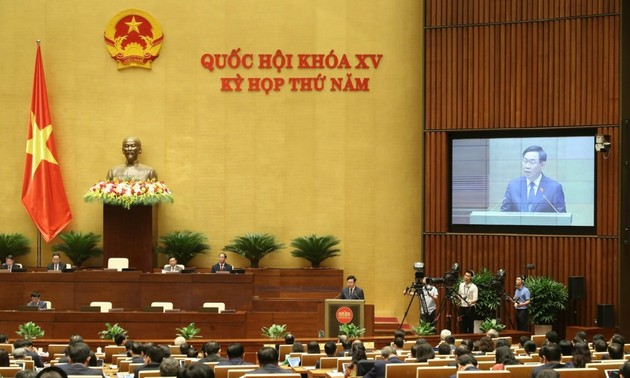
pixel 39 248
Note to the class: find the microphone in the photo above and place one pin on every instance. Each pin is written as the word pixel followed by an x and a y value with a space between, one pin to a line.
pixel 542 191
pixel 498 203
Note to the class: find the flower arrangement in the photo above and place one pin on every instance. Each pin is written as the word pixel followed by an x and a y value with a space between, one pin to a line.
pixel 127 193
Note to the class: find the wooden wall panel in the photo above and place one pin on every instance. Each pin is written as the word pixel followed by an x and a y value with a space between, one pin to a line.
pixel 523 64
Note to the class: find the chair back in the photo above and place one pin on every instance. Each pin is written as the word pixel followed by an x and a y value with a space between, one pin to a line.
pixel 9 372
pixel 221 371
pixel 164 305
pixel 521 371
pixel 118 263
pixel 110 350
pixel 578 373
pixel 283 350
pixel 290 375
pixel 148 373
pixel 105 306
pixel 484 373
pixel 328 363
pixel 218 305
pixel 311 359
pixel 404 370
pixel 237 373
pixel 435 371
pixel 605 365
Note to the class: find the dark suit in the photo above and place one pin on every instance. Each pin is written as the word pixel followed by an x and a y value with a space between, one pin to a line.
pixel 346 294
pixel 79 369
pixel 226 268
pixel 378 371
pixel 549 365
pixel 176 268
pixel 5 266
pixel 41 305
pixel 149 366
pixel 470 368
pixel 234 361
pixel 270 369
pixel 212 358
pixel 61 266
pixel 549 193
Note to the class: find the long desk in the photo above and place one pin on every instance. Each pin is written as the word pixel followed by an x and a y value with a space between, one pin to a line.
pixel 145 325
pixel 130 290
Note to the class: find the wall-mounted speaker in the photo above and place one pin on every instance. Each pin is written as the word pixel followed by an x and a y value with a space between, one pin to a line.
pixel 576 287
pixel 605 315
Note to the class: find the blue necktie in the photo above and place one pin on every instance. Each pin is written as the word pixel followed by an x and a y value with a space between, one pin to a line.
pixel 530 196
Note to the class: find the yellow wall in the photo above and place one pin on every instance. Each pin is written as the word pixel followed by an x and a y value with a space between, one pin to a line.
pixel 287 163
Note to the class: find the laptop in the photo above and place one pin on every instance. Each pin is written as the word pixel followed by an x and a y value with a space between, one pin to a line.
pixel 28 308
pixel 294 361
pixel 611 373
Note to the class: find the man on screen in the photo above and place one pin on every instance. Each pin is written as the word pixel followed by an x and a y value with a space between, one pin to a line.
pixel 534 192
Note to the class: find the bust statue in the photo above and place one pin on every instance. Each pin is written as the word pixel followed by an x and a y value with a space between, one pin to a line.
pixel 132 169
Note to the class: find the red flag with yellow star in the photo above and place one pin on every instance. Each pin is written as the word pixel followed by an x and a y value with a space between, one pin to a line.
pixel 43 193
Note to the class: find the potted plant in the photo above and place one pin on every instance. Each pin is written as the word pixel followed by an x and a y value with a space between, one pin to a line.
pixel 424 328
pixel 14 244
pixel 489 324
pixel 79 247
pixel 351 330
pixel 30 331
pixel 254 247
pixel 315 248
pixel 111 331
pixel 189 332
pixel 275 331
pixel 548 298
pixel 183 245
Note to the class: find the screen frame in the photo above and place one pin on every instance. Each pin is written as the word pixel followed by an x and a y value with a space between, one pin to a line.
pixel 519 229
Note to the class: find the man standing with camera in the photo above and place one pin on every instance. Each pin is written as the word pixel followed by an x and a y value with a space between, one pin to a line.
pixel 468 293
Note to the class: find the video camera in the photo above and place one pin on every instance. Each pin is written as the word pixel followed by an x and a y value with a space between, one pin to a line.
pixel 448 279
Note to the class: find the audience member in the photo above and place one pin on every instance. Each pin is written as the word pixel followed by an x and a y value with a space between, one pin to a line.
pixel 51 372
pixel 268 362
pixel 615 351
pixel 444 349
pixel 4 358
pixel 600 345
pixel 78 360
pixel 26 374
pixel 289 339
pixel 235 354
pixel 486 345
pixel 566 347
pixel 551 337
pixel 120 339
pixel 196 370
pixel 466 362
pixel 424 352
pixel 154 355
pixel 581 355
pixel 389 357
pixel 530 347
pixel 624 370
pixel 330 348
pixel 169 367
pixel 211 352
pixel 30 351
pixel 504 357
pixel 550 357
pixel 549 373
pixel 351 369
pixel 313 348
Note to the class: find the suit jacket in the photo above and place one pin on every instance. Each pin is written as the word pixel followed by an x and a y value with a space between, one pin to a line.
pixel 212 358
pixel 79 369
pixel 41 305
pixel 378 371
pixel 358 293
pixel 226 268
pixel 51 266
pixel 5 266
pixel 177 267
pixel 235 361
pixel 548 196
pixel 470 368
pixel 270 369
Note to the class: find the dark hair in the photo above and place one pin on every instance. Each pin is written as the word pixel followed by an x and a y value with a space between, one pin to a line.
pixel 35 294
pixel 424 353
pixel 78 352
pixel 3 338
pixel 552 336
pixel 551 352
pixel 399 342
pixel 25 374
pixel 450 339
pixel 267 355
pixel 486 344
pixel 119 339
pixel 542 155
pixel 618 339
pixel 500 343
pixel 75 339
pixel 522 277
pixel 624 370
pixel 196 370
pixel 548 373
pixel 530 347
pixel 522 340
pixel 297 347
pixel 4 358
pixel 235 350
pixel 52 372
pixel 289 338
pixel 615 351
pixel 9 257
pixel 444 349
pixel 461 350
pixel 566 347
pixel 183 348
pixel 330 348
pixel 155 353
pixel 504 355
pixel 399 333
pixel 471 272
pixel 211 347
pixel 467 359
pixel 136 348
pixel 581 355
pixel 600 345
pixel 351 277
pixel 313 347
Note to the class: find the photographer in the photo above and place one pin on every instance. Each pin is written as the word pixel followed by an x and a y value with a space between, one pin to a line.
pixel 429 296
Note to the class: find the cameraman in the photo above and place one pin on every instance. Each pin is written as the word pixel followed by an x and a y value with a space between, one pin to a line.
pixel 429 296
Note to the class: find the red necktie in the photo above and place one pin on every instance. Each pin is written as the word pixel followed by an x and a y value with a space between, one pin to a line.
pixel 221 267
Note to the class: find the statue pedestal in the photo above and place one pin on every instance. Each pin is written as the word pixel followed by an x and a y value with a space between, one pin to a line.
pixel 130 233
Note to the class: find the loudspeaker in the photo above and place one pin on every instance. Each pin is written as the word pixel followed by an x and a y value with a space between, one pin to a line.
pixel 576 287
pixel 605 315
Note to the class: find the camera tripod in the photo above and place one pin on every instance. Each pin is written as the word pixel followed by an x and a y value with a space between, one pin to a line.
pixel 424 308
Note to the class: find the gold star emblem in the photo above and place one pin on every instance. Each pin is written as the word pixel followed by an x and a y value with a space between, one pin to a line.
pixel 133 25
pixel 37 147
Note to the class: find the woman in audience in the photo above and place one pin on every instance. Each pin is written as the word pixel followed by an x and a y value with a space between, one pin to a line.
pixel 581 355
pixel 313 348
pixel 4 358
pixel 503 357
pixel 424 352
pixel 351 368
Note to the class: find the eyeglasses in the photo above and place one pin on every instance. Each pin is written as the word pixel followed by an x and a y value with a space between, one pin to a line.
pixel 530 161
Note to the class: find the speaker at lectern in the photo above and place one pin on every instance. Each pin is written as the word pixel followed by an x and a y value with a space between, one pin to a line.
pixel 342 311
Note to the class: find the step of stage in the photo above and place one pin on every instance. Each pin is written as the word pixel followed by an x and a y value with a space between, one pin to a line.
pixel 386 325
